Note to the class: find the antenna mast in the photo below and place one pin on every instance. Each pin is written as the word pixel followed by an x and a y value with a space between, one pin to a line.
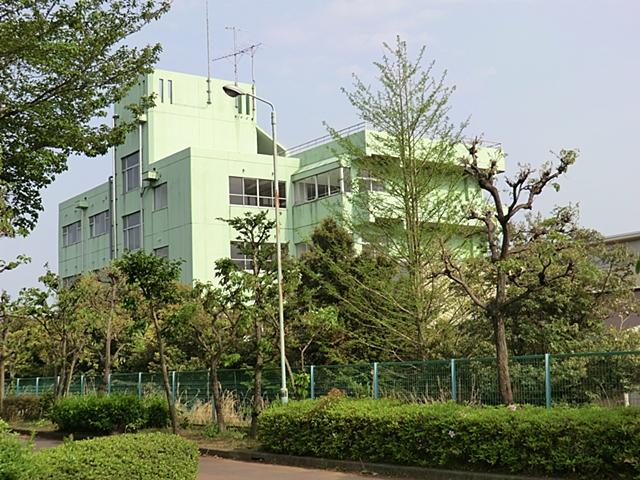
pixel 235 52
pixel 206 10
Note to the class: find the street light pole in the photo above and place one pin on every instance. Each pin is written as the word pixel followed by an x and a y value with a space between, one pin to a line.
pixel 234 91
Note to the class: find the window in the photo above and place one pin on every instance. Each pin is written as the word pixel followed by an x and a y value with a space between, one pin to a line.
pixel 370 183
pixel 323 185
pixel 99 224
pixel 131 229
pixel 72 234
pixel 170 90
pixel 242 261
pixel 245 262
pixel 160 199
pixel 162 251
pixel 255 192
pixel 131 172
pixel 161 89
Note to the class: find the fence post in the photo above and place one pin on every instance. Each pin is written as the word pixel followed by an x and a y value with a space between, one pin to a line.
pixel 82 385
pixel 547 380
pixel 37 386
pixel 312 382
pixel 454 381
pixel 375 380
pixel 139 384
pixel 109 385
pixel 17 386
pixel 173 387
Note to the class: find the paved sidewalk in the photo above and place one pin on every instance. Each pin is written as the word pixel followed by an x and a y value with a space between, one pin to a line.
pixel 215 468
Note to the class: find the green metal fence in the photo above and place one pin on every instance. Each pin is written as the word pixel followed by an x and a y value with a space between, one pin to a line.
pixel 604 378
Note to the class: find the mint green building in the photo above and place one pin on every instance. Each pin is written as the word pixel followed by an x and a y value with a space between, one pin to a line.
pixel 191 163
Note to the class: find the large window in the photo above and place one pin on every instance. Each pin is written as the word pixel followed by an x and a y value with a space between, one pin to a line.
pixel 131 229
pixel 322 185
pixel 72 234
pixel 99 224
pixel 255 192
pixel 160 199
pixel 131 172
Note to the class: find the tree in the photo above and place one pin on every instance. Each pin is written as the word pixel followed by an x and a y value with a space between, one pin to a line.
pixel 61 65
pixel 156 278
pixel 408 187
pixel 565 315
pixel 257 291
pixel 216 320
pixel 62 322
pixel 521 261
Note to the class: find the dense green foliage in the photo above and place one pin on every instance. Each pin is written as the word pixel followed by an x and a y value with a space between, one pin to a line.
pixel 62 64
pixel 106 414
pixel 148 456
pixel 14 455
pixel 590 443
pixel 151 456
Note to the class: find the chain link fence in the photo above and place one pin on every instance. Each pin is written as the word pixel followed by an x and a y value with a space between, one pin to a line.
pixel 603 378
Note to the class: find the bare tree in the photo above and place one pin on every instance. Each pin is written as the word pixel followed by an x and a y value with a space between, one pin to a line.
pixel 494 286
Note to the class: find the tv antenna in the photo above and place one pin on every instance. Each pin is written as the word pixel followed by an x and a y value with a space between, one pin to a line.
pixel 206 10
pixel 236 55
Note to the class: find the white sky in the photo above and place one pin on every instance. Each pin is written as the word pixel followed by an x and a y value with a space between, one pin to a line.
pixel 534 75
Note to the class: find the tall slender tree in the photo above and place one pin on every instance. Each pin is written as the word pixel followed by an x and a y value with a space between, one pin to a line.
pixel 156 278
pixel 407 186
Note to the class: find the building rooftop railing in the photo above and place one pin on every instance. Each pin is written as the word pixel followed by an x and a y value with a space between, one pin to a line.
pixel 358 127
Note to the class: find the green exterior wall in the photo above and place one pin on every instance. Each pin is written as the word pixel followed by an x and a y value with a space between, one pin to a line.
pixel 194 147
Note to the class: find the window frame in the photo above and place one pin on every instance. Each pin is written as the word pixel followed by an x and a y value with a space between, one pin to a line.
pixel 157 189
pixel 77 225
pixel 128 231
pixel 301 191
pixel 261 201
pixel 127 170
pixel 92 224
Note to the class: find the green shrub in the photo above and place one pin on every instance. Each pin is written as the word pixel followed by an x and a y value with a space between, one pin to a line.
pixel 586 442
pixel 106 414
pixel 150 456
pixel 14 455
pixel 23 407
pixel 156 412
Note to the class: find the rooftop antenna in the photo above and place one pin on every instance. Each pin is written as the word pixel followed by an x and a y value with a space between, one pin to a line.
pixel 235 52
pixel 251 50
pixel 206 10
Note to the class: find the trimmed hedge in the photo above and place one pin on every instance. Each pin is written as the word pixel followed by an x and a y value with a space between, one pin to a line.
pixel 109 413
pixel 143 456
pixel 25 407
pixel 588 442
pixel 14 455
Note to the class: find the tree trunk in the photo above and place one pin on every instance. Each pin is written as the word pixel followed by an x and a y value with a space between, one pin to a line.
pixel 217 396
pixel 165 374
pixel 500 337
pixel 108 334
pixel 3 352
pixel 69 376
pixel 256 405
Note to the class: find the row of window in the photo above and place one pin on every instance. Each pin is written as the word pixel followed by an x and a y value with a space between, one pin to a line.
pixel 99 225
pixel 257 192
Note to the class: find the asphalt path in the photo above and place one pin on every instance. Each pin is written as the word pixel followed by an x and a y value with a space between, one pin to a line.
pixel 215 468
